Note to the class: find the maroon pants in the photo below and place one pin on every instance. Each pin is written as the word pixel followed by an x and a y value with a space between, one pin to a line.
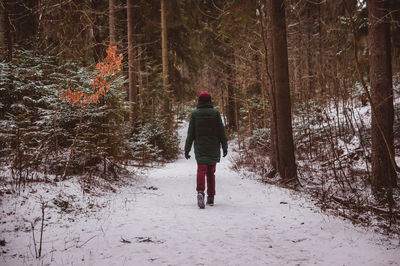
pixel 204 170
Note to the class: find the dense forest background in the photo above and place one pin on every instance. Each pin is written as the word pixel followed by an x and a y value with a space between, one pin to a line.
pixel 293 79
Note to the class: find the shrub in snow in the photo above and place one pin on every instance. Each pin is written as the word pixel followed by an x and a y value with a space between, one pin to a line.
pixel 38 127
pixel 260 138
pixel 152 142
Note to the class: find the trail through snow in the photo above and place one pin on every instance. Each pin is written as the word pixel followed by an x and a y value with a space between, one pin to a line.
pixel 251 223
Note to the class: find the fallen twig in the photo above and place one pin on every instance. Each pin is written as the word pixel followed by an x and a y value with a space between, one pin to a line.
pixel 84 243
pixel 125 241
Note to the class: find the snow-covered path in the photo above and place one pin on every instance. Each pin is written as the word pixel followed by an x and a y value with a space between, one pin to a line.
pixel 250 224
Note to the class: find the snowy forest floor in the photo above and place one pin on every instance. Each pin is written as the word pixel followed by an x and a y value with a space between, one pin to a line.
pixel 155 221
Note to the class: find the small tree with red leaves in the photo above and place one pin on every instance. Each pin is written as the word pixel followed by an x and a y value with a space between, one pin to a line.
pixel 101 135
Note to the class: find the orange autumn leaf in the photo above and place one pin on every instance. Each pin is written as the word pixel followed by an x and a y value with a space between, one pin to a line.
pixel 112 63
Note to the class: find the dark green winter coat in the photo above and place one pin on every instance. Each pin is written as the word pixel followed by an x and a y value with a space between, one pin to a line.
pixel 207 132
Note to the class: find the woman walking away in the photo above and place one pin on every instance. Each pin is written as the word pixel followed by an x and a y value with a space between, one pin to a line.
pixel 207 132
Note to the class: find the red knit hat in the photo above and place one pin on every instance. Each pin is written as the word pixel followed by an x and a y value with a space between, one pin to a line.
pixel 204 96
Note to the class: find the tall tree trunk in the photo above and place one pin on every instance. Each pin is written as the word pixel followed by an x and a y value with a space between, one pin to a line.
pixel 164 51
pixel 111 21
pixel 395 34
pixel 321 69
pixel 6 46
pixel 301 68
pixel 98 51
pixel 9 29
pixel 286 160
pixel 232 123
pixel 140 105
pixel 266 34
pixel 274 156
pixel 2 25
pixel 309 46
pixel 248 107
pixel 236 88
pixel 383 173
pixel 131 60
pixel 263 92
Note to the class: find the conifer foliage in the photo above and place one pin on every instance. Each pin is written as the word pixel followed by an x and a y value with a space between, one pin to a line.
pixel 40 119
pixel 103 128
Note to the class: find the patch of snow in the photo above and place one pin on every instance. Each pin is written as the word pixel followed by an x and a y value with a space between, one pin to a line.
pixel 158 223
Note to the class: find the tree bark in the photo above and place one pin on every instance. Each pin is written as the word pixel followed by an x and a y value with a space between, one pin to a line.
pixel 309 47
pixel 266 33
pixel 111 19
pixel 131 60
pixel 2 25
pixel 320 68
pixel 164 56
pixel 140 90
pixel 274 155
pixel 395 34
pixel 9 30
pixel 232 122
pixel 98 51
pixel 380 73
pixel 264 93
pixel 286 159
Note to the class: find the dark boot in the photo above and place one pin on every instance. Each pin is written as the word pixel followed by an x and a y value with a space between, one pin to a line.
pixel 200 200
pixel 210 200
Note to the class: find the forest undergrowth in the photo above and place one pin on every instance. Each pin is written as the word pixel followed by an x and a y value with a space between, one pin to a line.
pixel 38 128
pixel 333 154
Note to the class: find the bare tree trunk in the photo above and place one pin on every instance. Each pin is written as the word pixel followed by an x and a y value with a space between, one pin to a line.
pixel 98 50
pixel 320 68
pixel 263 93
pixel 236 106
pixel 164 49
pixel 9 29
pixel 232 123
pixel 286 160
pixel 248 107
pixel 310 76
pixel 236 88
pixel 131 60
pixel 111 21
pixel 2 25
pixel 395 34
pixel 140 83
pixel 269 62
pixel 300 68
pixel 383 173
pixel 272 96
